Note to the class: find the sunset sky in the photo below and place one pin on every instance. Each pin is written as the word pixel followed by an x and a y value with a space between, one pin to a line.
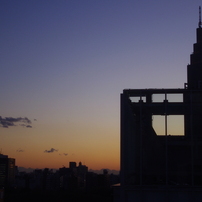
pixel 64 64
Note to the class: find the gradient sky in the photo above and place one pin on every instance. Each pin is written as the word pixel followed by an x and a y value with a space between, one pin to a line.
pixel 64 64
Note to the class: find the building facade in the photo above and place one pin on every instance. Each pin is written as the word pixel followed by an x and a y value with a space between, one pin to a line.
pixel 167 167
pixel 7 171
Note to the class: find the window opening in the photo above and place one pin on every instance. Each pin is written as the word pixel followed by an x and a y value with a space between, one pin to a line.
pixel 175 125
pixel 138 98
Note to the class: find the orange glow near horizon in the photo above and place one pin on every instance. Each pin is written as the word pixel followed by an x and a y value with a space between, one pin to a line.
pixel 29 149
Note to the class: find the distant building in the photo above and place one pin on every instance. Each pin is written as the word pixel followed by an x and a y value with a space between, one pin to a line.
pixel 74 177
pixel 7 171
pixel 82 171
pixel 72 165
pixel 163 167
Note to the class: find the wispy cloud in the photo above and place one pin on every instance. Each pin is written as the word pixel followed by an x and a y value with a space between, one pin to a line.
pixel 20 150
pixel 51 150
pixel 10 121
pixel 27 126
pixel 65 154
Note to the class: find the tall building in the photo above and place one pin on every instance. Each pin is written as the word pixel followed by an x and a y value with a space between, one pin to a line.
pixel 165 166
pixel 7 171
pixel 72 165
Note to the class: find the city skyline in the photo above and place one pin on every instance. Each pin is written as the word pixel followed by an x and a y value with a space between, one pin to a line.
pixel 65 63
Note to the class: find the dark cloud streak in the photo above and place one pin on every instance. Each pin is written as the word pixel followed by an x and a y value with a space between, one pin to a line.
pixel 20 150
pixel 65 154
pixel 51 150
pixel 10 121
pixel 29 126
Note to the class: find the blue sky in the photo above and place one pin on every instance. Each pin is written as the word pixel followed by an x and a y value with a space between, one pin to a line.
pixel 65 63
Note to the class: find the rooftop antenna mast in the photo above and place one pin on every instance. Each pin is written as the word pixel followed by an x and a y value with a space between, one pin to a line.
pixel 199 23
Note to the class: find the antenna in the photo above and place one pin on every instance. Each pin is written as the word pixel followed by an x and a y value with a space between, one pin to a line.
pixel 199 23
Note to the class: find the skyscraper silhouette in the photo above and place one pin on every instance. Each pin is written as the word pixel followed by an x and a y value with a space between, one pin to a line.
pixel 164 167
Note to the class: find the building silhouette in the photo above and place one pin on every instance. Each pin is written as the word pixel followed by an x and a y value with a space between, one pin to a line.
pixel 163 167
pixel 7 171
pixel 73 183
pixel 74 177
